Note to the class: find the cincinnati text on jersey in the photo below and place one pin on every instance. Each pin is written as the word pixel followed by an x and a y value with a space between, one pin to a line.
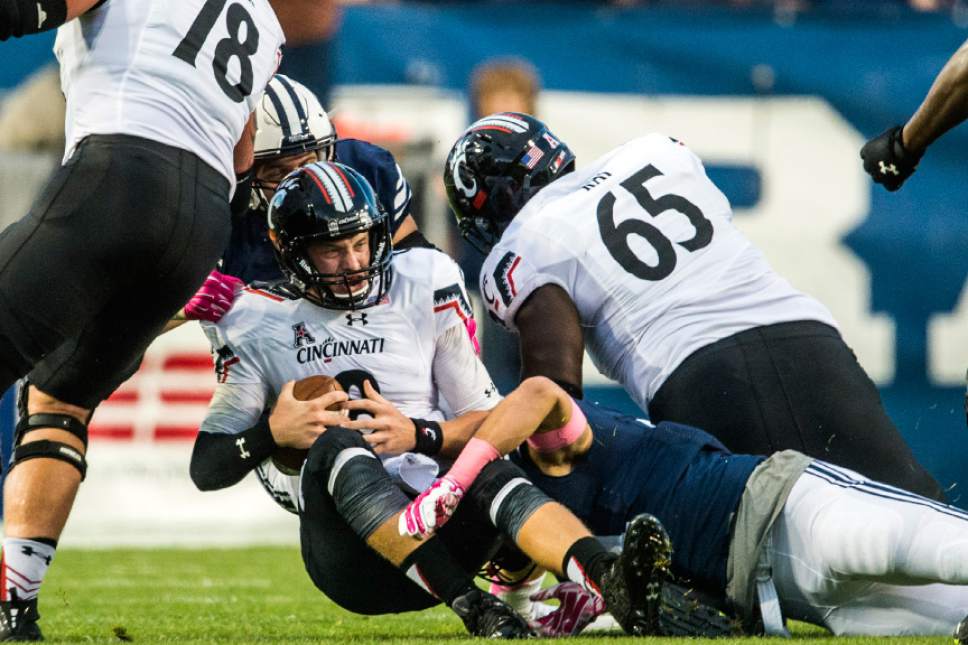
pixel 332 348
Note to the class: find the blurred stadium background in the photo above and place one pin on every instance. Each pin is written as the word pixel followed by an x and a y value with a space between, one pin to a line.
pixel 776 97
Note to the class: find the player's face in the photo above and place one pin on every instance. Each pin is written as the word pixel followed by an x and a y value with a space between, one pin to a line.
pixel 343 255
pixel 270 172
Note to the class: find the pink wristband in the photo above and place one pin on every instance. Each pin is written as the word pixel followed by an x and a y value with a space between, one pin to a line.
pixel 564 436
pixel 472 459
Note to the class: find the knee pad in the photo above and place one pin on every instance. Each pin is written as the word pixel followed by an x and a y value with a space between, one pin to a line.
pixel 361 490
pixel 507 496
pixel 46 448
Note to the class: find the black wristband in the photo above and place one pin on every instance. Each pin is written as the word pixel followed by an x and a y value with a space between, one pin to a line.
pixel 430 437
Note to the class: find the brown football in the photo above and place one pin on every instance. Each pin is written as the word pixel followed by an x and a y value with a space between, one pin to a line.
pixel 290 460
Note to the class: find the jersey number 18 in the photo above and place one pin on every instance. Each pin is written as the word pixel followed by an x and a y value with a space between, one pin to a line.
pixel 226 49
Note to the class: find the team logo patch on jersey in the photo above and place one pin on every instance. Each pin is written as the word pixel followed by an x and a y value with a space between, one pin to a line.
pixel 504 277
pixel 301 336
pixel 354 319
pixel 225 358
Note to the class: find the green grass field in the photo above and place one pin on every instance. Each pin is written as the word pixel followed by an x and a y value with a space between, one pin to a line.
pixel 258 595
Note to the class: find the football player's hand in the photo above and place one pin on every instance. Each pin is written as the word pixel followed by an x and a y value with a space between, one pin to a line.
pixel 886 159
pixel 392 432
pixel 297 424
pixel 431 509
pixel 578 608
pixel 214 298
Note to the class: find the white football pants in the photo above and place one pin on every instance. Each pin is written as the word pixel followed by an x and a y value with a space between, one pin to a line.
pixel 861 557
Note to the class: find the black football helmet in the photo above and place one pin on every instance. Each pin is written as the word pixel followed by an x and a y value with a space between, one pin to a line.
pixel 496 166
pixel 327 201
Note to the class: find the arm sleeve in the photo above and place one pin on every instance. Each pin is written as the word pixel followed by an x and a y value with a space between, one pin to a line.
pixel 234 437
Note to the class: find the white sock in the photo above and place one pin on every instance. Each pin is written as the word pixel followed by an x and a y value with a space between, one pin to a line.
pixel 23 567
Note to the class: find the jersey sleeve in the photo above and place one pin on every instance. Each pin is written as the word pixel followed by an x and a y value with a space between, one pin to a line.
pixel 241 394
pixel 460 376
pixel 452 307
pixel 512 273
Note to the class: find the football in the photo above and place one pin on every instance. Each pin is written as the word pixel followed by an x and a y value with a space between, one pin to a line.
pixel 290 460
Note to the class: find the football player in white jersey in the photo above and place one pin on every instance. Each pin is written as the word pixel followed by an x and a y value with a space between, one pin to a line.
pixel 635 257
pixel 394 324
pixel 158 94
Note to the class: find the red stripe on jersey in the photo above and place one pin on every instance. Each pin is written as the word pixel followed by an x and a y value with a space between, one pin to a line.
pixel 264 294
pixel 346 182
pixel 224 376
pixel 451 305
pixel 3 577
pixel 514 265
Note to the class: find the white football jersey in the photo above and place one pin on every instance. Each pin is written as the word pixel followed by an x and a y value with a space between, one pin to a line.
pixel 642 241
pixel 269 338
pixel 186 73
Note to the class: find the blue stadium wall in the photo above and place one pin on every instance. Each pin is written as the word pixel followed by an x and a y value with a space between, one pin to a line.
pixel 872 66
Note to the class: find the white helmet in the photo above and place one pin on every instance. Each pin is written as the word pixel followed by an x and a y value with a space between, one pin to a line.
pixel 289 119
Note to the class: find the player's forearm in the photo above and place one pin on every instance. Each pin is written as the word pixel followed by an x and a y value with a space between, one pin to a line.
pixel 24 17
pixel 535 403
pixel 944 107
pixel 222 460
pixel 458 431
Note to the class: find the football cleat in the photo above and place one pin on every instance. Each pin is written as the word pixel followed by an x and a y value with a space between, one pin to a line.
pixel 18 619
pixel 686 612
pixel 632 587
pixel 485 615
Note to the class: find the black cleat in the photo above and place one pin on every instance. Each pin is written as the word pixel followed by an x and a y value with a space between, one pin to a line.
pixel 18 619
pixel 632 587
pixel 961 632
pixel 485 615
pixel 687 612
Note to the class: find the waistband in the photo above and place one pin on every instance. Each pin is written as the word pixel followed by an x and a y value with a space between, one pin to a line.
pixel 187 161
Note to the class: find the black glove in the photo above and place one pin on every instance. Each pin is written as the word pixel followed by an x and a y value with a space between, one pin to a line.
pixel 886 159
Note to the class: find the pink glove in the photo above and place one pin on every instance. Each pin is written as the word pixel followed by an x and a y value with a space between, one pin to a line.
pixel 577 610
pixel 214 298
pixel 431 510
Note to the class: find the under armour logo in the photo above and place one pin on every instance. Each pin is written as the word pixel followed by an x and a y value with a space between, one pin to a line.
pixel 243 453
pixel 888 168
pixel 350 319
pixel 41 16
pixel 29 551
pixel 431 434
pixel 490 391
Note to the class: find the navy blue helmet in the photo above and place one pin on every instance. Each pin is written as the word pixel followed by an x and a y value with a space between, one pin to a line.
pixel 327 201
pixel 497 165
